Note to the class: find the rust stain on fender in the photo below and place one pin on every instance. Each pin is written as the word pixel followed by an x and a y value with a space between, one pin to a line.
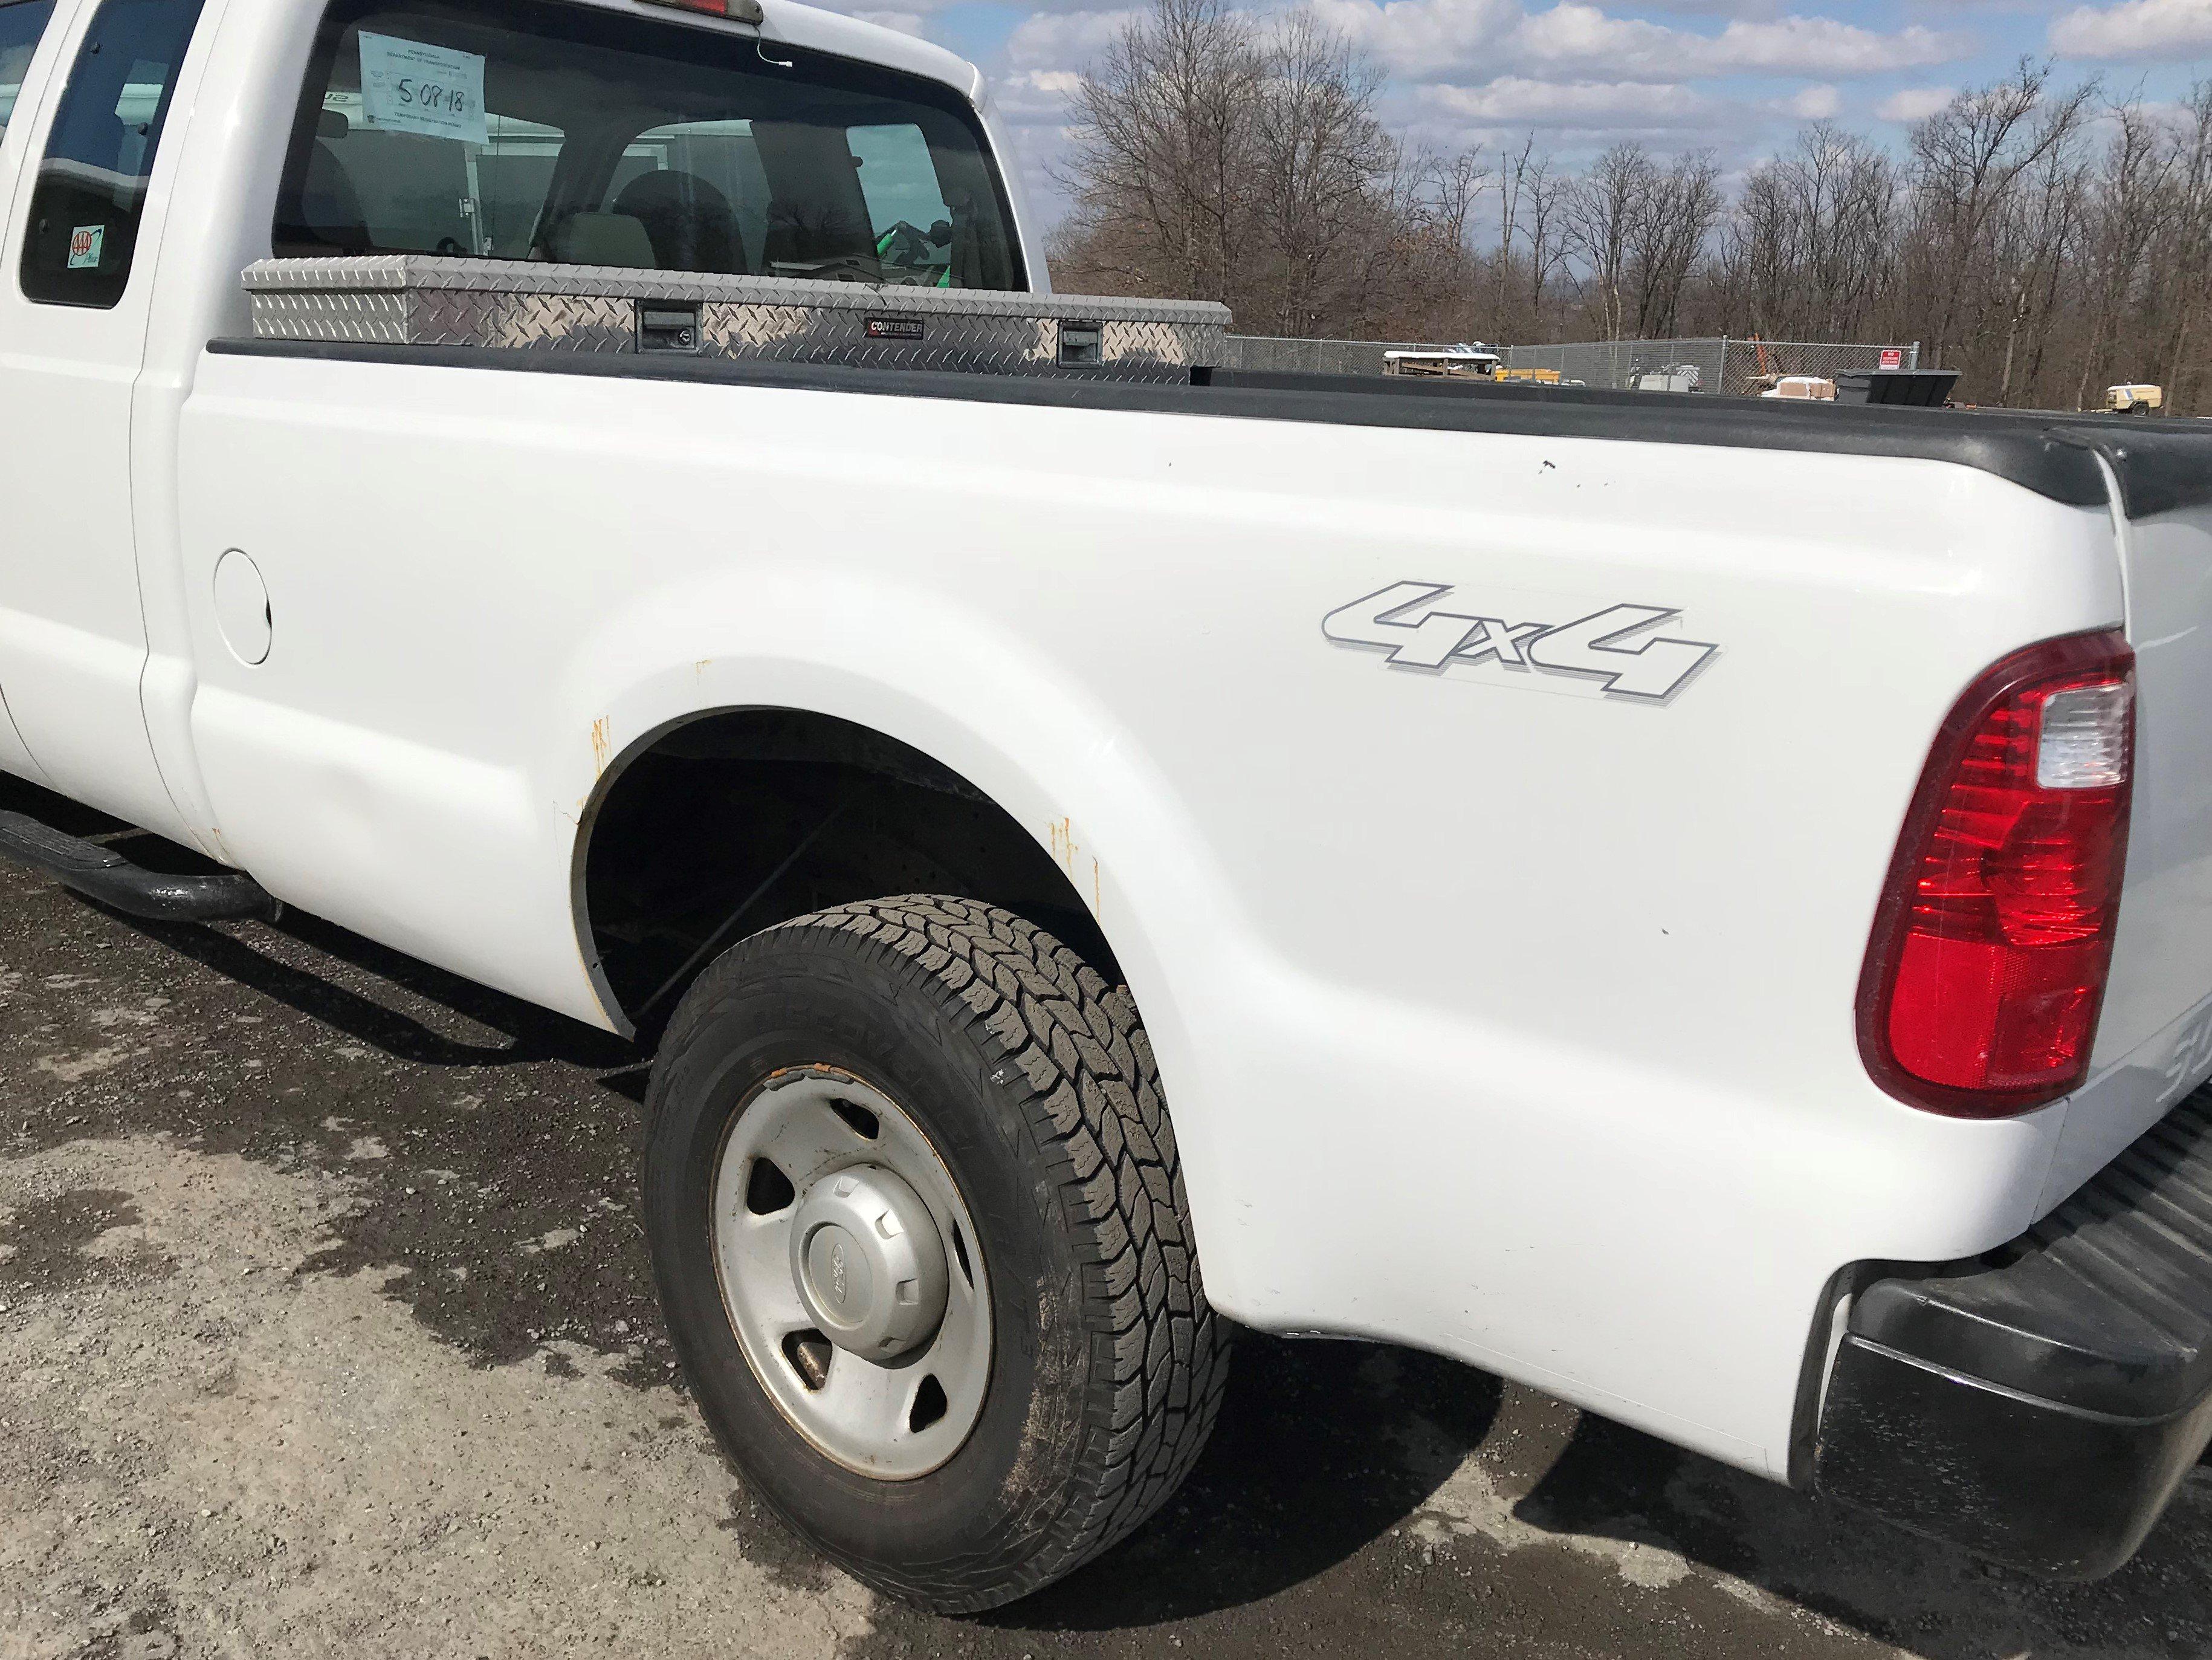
pixel 1060 835
pixel 602 746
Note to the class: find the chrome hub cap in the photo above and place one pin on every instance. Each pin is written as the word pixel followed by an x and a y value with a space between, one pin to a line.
pixel 851 1273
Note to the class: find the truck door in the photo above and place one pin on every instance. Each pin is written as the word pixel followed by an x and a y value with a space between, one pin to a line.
pixel 76 272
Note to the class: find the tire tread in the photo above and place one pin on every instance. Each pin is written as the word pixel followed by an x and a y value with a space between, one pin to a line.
pixel 1094 1111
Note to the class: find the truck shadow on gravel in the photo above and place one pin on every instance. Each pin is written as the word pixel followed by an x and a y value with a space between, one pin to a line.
pixel 530 1034
pixel 1303 1473
pixel 1339 1481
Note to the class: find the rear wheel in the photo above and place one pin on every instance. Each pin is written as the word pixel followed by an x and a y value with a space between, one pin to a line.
pixel 919 1224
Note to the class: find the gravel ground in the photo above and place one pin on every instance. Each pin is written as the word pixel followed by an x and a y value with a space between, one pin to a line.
pixel 326 1328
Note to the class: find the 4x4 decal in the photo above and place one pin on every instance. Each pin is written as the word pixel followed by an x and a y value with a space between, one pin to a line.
pixel 1403 619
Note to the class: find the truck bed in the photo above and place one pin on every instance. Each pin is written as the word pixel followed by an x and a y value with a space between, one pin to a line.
pixel 1100 352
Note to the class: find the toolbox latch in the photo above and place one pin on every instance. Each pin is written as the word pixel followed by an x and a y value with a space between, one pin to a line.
pixel 1078 342
pixel 666 325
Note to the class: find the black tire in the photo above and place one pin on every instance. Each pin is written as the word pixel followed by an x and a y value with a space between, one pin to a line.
pixel 1035 1083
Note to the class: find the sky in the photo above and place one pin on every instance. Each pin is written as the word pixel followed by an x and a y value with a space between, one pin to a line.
pixel 1737 76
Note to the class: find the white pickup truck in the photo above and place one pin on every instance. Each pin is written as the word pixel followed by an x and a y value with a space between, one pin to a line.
pixel 1703 907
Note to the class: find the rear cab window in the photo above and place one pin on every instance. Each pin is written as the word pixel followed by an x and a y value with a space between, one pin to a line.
pixel 541 130
pixel 92 182
pixel 22 25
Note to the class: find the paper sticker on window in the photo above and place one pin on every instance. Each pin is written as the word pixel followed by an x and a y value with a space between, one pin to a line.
pixel 85 244
pixel 408 87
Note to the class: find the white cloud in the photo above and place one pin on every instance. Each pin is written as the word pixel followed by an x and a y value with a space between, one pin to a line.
pixel 906 22
pixel 1427 39
pixel 2134 29
pixel 1031 97
pixel 1825 45
pixel 1573 34
pixel 1814 103
pixel 1062 40
pixel 1441 34
pixel 1575 105
pixel 1720 7
pixel 1913 103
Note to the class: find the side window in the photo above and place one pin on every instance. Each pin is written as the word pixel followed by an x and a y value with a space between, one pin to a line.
pixel 91 188
pixel 21 26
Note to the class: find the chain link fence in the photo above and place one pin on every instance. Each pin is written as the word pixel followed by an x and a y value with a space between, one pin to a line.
pixel 1736 367
pixel 1273 354
pixel 1719 365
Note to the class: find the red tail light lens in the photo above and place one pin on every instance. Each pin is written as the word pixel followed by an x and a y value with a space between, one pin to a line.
pixel 1986 971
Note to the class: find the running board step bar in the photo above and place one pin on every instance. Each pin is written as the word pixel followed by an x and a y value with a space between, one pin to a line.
pixel 101 873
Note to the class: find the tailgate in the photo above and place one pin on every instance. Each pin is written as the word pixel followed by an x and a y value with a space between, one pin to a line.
pixel 2158 1011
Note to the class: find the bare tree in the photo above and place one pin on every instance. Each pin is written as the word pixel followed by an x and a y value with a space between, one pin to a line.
pixel 2186 250
pixel 1967 158
pixel 1213 158
pixel 1512 177
pixel 1162 148
pixel 2131 198
pixel 2037 244
pixel 2040 242
pixel 1603 210
pixel 1668 232
pixel 1544 193
pixel 1318 155
pixel 1459 185
pixel 1811 236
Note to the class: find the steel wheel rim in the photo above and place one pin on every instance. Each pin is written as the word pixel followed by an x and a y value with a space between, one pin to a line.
pixel 874 1418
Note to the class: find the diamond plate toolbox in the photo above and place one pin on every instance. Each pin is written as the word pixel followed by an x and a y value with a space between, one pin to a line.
pixel 426 301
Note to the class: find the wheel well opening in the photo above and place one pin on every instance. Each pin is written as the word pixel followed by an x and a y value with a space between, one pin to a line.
pixel 733 823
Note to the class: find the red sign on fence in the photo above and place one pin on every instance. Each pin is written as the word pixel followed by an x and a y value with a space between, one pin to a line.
pixel 1892 358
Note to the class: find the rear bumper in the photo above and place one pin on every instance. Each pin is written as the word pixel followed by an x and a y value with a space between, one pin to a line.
pixel 2040 1405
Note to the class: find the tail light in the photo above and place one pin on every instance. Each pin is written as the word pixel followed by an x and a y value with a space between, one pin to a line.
pixel 1986 971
